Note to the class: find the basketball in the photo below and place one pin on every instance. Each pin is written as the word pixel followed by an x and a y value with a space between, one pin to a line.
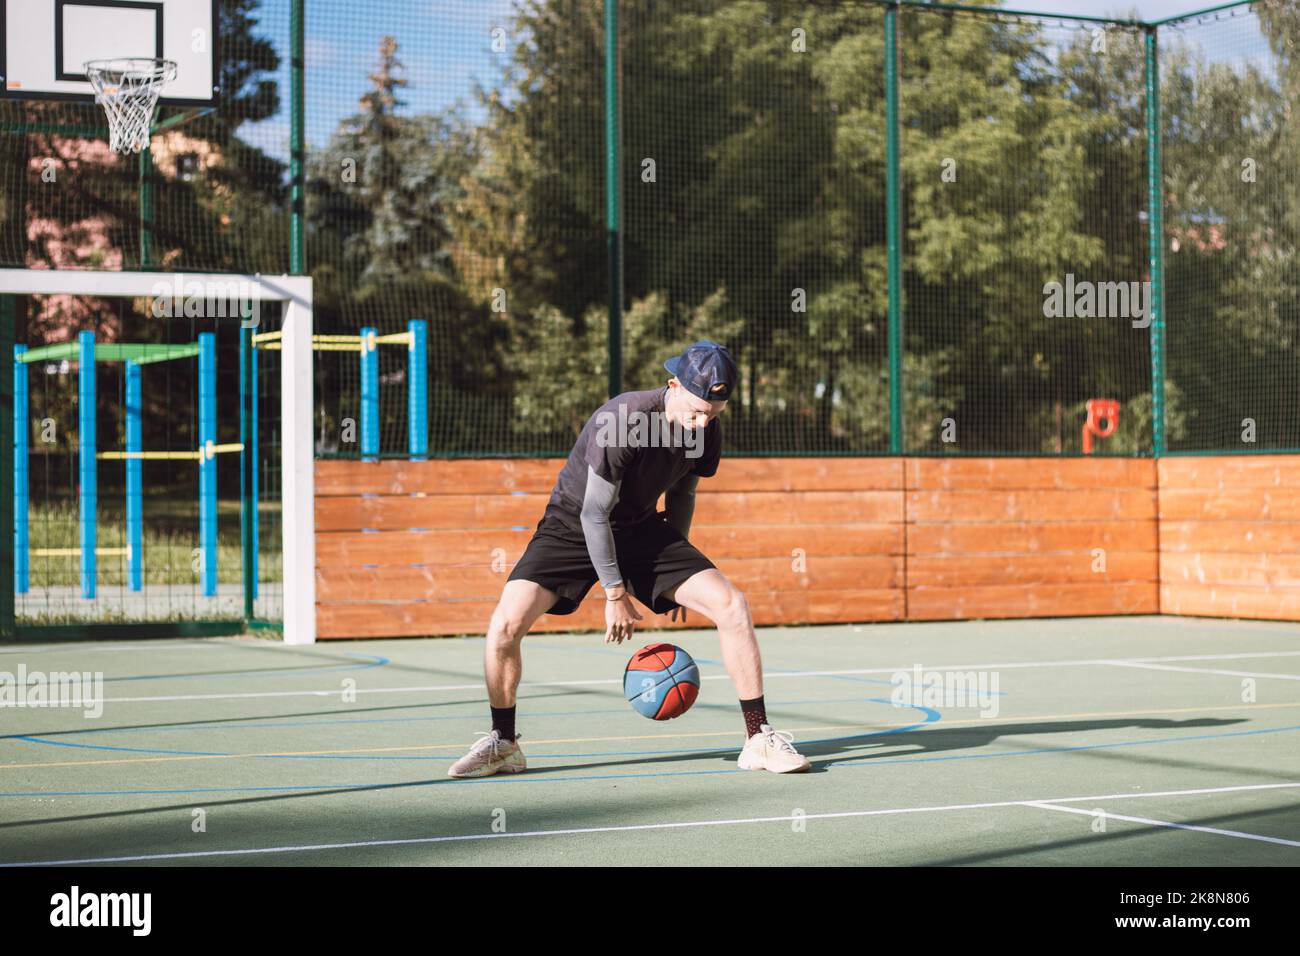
pixel 661 681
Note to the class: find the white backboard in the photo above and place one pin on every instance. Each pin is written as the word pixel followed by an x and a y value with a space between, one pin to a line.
pixel 45 44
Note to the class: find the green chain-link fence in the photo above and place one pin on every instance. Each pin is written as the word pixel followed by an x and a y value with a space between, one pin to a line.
pixel 455 172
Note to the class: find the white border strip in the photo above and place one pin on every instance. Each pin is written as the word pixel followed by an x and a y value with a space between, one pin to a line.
pixel 298 473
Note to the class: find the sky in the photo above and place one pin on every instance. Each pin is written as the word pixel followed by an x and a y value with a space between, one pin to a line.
pixel 446 45
pixel 1147 10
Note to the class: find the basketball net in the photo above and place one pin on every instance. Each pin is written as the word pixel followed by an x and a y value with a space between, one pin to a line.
pixel 128 89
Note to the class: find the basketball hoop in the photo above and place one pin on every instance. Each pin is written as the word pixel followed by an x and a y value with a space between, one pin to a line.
pixel 128 90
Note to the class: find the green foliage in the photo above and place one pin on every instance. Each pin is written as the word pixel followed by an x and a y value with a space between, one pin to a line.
pixel 565 362
pixel 1132 437
pixel 1234 257
pixel 382 188
pixel 861 412
pixel 753 141
pixel 753 202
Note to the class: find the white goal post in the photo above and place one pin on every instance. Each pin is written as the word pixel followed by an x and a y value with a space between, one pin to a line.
pixel 298 476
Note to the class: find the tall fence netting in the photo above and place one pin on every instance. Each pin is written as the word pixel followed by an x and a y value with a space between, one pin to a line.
pixel 455 173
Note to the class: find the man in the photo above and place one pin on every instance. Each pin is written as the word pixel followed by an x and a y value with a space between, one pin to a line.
pixel 601 525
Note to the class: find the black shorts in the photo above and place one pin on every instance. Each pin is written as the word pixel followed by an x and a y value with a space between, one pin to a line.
pixel 653 556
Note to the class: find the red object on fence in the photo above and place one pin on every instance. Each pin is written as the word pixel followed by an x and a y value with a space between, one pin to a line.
pixel 1099 410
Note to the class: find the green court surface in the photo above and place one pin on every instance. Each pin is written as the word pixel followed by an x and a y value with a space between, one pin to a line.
pixel 1109 741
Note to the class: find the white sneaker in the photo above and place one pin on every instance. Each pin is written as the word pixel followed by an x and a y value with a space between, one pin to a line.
pixel 490 754
pixel 772 750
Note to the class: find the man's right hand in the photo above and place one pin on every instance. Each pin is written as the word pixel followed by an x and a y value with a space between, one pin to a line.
pixel 620 620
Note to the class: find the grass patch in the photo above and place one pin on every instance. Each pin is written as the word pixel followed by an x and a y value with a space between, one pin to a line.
pixel 170 539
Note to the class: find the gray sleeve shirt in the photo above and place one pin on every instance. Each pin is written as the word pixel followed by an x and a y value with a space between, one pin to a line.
pixel 607 485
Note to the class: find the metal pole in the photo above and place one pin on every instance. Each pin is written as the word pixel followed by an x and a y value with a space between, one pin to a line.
pixel 297 145
pixel 1193 14
pixel 369 395
pixel 89 494
pixel 252 449
pixel 613 199
pixel 298 475
pixel 1010 12
pixel 893 230
pixel 22 532
pixel 247 495
pixel 134 479
pixel 417 390
pixel 1156 246
pixel 146 208
pixel 11 426
pixel 208 461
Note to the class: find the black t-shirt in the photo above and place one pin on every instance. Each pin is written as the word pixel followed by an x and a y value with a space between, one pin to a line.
pixel 628 440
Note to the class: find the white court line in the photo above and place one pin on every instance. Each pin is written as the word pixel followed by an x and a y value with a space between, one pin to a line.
pixel 419 841
pixel 1164 823
pixel 112 648
pixel 1203 670
pixel 768 675
pixel 362 690
pixel 195 644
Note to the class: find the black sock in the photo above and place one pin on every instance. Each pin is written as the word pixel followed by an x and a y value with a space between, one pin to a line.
pixel 503 722
pixel 755 715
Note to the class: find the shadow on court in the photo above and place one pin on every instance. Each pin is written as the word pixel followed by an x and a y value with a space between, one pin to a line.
pixel 351 712
pixel 939 739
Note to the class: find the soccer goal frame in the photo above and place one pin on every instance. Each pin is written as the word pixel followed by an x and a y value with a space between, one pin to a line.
pixel 297 471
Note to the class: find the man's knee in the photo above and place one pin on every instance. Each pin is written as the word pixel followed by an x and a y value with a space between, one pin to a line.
pixel 734 609
pixel 508 625
pixel 521 603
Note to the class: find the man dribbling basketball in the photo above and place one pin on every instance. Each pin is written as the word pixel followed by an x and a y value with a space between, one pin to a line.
pixel 601 525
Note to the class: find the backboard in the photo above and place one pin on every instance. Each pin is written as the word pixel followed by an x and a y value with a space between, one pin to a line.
pixel 45 43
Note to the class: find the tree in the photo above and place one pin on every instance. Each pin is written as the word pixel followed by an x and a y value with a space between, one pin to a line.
pixel 380 196
pixel 1231 184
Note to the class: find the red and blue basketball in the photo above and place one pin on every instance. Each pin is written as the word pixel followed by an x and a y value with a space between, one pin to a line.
pixel 661 681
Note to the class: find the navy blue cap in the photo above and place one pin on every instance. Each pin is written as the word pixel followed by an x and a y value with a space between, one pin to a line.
pixel 706 370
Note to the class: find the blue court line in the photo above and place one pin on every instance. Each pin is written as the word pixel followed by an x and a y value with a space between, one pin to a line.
pixel 123 793
pixel 530 716
pixel 129 750
pixel 374 660
pixel 524 779
pixel 930 715
pixel 446 781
